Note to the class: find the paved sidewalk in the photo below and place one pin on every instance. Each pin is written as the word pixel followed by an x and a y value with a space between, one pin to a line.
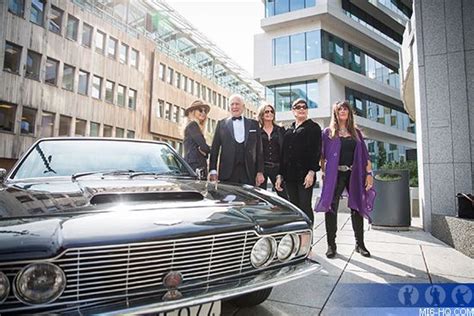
pixel 412 256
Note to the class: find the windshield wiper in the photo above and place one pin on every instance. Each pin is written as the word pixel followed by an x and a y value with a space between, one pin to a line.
pixel 159 174
pixel 104 173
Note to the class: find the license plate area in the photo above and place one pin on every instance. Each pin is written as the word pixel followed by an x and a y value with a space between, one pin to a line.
pixel 207 309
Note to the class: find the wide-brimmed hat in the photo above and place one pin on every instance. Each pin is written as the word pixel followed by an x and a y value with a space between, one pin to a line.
pixel 196 105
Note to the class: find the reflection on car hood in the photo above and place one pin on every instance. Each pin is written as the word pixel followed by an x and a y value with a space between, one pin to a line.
pixel 53 215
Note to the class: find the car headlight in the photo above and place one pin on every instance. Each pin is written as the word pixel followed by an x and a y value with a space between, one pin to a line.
pixel 263 252
pixel 305 243
pixel 39 283
pixel 4 287
pixel 288 247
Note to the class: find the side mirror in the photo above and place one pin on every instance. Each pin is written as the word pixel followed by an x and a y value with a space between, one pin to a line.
pixel 201 173
pixel 3 174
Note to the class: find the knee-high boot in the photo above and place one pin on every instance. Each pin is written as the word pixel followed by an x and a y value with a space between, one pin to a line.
pixel 330 220
pixel 358 227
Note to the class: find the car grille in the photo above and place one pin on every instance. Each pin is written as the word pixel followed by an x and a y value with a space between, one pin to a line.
pixel 103 273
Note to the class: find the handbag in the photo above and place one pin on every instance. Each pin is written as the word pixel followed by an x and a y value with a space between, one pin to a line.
pixel 465 205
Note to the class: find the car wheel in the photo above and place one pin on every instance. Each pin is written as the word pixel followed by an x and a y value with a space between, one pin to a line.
pixel 251 299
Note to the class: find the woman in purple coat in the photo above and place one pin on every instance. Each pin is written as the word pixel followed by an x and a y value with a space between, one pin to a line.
pixel 345 165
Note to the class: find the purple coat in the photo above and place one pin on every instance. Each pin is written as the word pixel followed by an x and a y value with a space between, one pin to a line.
pixel 359 199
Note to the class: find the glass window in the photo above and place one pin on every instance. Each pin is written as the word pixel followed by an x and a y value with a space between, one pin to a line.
pixel 338 51
pixel 16 7
pixel 209 94
pixel 355 59
pixel 47 124
pixel 55 19
pixel 109 91
pixel 168 111
pixel 310 3
pixel 313 45
pixel 33 64
pixel 64 125
pixel 11 62
pixel 175 117
pixel 134 58
pixel 86 35
pixel 83 87
pixel 203 92
pixel 297 47
pixel 177 82
pixel 191 86
pixel 130 134
pixel 198 89
pixel 298 90
pixel 123 53
pixel 121 95
pixel 296 5
pixel 184 83
pixel 37 11
pixel 94 129
pixel 107 131
pixel 96 87
pixel 181 114
pixel 112 48
pixel 7 117
pixel 281 50
pixel 28 119
pixel 282 6
pixel 132 99
pixel 161 72
pixel 99 42
pixel 51 71
pixel 170 75
pixel 269 8
pixel 68 77
pixel 282 98
pixel 72 26
pixel 80 128
pixel 313 94
pixel 160 110
pixel 119 132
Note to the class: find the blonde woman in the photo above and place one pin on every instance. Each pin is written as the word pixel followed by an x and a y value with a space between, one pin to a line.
pixel 272 144
pixel 345 165
pixel 196 149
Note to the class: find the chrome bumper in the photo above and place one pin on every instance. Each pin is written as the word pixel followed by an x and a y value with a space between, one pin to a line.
pixel 213 292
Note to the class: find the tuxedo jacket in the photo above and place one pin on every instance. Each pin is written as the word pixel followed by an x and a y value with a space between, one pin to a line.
pixel 223 149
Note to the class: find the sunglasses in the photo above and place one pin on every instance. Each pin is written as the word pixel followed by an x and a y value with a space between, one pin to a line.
pixel 202 110
pixel 300 107
pixel 269 111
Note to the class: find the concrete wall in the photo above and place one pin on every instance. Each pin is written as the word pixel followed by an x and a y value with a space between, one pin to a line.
pixel 444 97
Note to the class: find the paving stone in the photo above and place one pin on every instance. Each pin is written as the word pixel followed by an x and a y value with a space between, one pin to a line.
pixel 448 261
pixel 273 308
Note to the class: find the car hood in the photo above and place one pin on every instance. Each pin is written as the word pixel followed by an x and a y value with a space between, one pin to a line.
pixel 41 219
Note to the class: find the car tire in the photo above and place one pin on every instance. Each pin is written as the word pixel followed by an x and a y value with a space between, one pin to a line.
pixel 251 299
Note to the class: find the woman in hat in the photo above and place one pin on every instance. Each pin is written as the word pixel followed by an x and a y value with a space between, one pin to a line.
pixel 195 148
pixel 345 165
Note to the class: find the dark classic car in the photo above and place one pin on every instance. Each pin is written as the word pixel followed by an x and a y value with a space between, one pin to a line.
pixel 109 226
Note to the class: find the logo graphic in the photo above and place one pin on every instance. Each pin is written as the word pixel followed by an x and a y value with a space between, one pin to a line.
pixel 435 295
pixel 408 295
pixel 461 295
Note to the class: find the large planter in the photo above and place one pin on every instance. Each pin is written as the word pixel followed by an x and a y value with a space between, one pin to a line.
pixel 392 204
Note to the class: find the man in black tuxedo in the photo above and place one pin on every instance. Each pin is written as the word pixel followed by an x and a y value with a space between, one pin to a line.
pixel 237 144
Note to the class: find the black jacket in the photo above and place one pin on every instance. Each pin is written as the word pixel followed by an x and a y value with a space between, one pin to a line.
pixel 194 139
pixel 223 148
pixel 280 134
pixel 301 151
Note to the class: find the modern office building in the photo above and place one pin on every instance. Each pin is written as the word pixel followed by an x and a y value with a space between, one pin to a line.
pixel 330 50
pixel 438 88
pixel 107 68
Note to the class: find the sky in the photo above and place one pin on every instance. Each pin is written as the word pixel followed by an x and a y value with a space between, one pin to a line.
pixel 230 24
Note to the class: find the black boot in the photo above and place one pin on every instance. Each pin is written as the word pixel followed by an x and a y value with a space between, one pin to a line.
pixel 358 227
pixel 331 228
pixel 331 253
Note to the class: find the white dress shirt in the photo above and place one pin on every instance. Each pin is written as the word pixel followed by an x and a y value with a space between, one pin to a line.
pixel 239 130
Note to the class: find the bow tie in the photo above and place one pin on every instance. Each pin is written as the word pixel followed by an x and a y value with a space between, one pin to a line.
pixel 236 118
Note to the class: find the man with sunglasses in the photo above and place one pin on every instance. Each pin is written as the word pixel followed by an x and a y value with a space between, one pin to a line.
pixel 300 158
pixel 237 145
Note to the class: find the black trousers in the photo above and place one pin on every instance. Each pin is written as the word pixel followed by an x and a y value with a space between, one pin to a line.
pixel 343 180
pixel 301 197
pixel 271 173
pixel 239 175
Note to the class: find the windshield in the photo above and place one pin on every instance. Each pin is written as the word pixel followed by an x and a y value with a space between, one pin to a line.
pixel 53 158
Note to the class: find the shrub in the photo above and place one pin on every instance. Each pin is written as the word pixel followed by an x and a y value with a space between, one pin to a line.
pixel 411 166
